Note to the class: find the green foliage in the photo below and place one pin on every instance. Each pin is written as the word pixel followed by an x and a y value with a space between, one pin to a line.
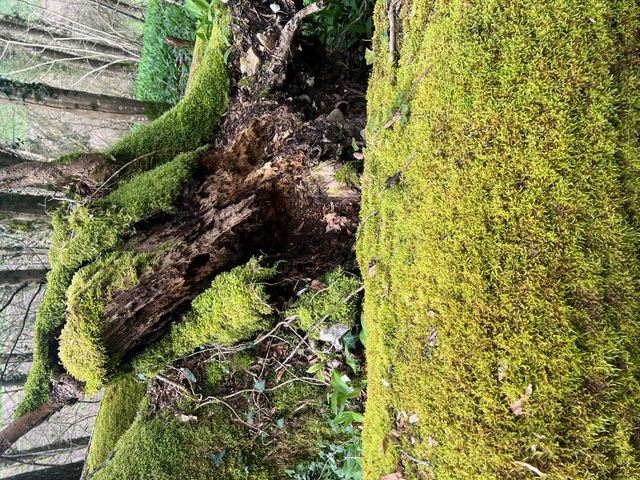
pixel 335 302
pixel 81 349
pixel 342 24
pixel 232 309
pixel 164 447
pixel 118 409
pixel 205 13
pixel 508 254
pixel 349 174
pixel 341 461
pixel 163 69
pixel 189 124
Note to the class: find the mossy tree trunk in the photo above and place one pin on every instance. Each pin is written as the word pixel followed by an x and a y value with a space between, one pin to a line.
pixel 243 207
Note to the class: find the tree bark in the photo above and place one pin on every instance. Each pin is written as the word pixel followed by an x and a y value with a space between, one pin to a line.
pixel 26 423
pixel 30 204
pixel 70 471
pixel 89 168
pixel 11 278
pixel 73 101
pixel 8 160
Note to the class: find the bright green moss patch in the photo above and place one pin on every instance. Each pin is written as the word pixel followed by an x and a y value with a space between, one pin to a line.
pixel 335 302
pixel 165 447
pixel 156 190
pixel 81 349
pixel 500 234
pixel 190 123
pixel 232 309
pixel 118 409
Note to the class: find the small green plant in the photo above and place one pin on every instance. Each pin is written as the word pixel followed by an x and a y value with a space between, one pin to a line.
pixel 341 25
pixel 342 461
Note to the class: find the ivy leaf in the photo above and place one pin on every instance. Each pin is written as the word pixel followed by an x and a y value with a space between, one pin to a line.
pixel 280 423
pixel 217 458
pixel 259 386
pixel 315 368
pixel 189 375
pixel 350 360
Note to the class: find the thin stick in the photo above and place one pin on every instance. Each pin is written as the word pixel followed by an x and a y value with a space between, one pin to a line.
pixel 417 460
pixel 126 165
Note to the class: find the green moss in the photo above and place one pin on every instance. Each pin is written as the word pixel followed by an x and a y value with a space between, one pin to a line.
pixel 118 409
pixel 81 349
pixel 154 191
pixel 232 309
pixel 49 320
pixel 334 304
pixel 507 253
pixel 165 447
pixel 190 123
pixel 348 174
pixel 288 398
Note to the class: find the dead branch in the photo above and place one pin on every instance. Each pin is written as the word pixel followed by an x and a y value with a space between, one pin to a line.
pixel 275 73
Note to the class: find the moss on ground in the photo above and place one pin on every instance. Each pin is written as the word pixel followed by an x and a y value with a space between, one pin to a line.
pixel 335 302
pixel 165 447
pixel 500 237
pixel 118 409
pixel 232 309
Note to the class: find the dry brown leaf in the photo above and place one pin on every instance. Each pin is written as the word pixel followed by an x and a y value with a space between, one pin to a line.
pixel 392 476
pixel 372 269
pixel 413 418
pixel 516 407
pixel 317 285
pixel 335 222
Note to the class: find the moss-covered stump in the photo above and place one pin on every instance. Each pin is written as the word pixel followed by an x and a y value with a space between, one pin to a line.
pixel 500 239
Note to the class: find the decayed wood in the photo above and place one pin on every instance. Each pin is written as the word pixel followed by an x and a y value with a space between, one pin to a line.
pixel 276 72
pixel 244 207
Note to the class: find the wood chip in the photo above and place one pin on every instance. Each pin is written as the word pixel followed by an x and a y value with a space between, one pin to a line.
pixel 516 407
